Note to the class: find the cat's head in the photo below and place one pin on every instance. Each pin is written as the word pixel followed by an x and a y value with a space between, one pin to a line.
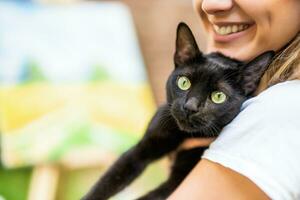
pixel 205 92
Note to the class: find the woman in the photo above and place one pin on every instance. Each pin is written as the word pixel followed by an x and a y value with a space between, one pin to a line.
pixel 257 156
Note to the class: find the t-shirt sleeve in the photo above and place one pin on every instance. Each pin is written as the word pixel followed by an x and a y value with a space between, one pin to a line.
pixel 263 141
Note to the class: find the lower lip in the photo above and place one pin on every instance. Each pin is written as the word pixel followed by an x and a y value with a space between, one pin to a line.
pixel 233 36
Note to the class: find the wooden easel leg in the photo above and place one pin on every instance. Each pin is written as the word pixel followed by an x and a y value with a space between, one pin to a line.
pixel 44 181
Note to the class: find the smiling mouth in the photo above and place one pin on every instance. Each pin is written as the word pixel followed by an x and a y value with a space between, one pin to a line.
pixel 230 29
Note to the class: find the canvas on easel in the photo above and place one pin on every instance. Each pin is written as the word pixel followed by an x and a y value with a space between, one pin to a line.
pixel 73 86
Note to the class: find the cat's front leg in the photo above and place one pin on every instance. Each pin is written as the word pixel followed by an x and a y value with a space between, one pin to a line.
pixel 162 136
pixel 184 162
pixel 119 175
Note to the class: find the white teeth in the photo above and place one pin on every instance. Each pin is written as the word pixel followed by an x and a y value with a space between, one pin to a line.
pixel 226 30
pixel 222 30
pixel 241 27
pixel 234 28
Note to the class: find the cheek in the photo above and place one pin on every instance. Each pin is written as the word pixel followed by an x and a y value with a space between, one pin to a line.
pixel 197 4
pixel 275 26
pixel 275 19
pixel 177 105
pixel 284 23
pixel 209 111
pixel 177 109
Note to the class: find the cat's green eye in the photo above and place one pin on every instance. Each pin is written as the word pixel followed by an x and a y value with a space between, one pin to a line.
pixel 218 97
pixel 183 83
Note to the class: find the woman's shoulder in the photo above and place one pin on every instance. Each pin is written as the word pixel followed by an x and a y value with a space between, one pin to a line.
pixel 276 108
pixel 281 94
pixel 263 140
pixel 277 102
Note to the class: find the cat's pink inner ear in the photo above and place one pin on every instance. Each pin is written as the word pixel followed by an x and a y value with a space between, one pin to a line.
pixel 186 46
pixel 185 54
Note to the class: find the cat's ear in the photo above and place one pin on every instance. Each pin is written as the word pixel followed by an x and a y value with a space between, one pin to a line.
pixel 254 70
pixel 186 46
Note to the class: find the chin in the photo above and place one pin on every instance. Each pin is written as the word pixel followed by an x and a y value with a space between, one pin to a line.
pixel 195 127
pixel 242 54
pixel 188 128
pixel 195 131
pixel 198 131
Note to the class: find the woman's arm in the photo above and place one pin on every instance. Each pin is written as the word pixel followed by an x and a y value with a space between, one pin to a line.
pixel 212 181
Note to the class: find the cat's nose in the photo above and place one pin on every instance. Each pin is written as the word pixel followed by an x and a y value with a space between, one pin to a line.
pixel 191 104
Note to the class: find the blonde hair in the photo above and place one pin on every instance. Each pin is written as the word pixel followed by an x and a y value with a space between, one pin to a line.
pixel 285 66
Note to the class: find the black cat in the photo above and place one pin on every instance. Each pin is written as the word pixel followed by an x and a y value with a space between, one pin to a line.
pixel 204 93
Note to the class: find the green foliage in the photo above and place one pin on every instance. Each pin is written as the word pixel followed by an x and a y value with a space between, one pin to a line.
pixel 98 73
pixel 31 72
pixel 14 184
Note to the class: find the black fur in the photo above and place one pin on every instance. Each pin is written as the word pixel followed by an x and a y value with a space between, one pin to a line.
pixel 187 113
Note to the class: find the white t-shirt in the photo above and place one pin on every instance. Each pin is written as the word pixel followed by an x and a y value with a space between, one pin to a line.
pixel 263 141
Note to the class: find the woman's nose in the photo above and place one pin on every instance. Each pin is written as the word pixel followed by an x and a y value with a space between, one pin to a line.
pixel 216 6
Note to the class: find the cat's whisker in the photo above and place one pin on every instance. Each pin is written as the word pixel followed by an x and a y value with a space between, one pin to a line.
pixel 165 121
pixel 215 129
